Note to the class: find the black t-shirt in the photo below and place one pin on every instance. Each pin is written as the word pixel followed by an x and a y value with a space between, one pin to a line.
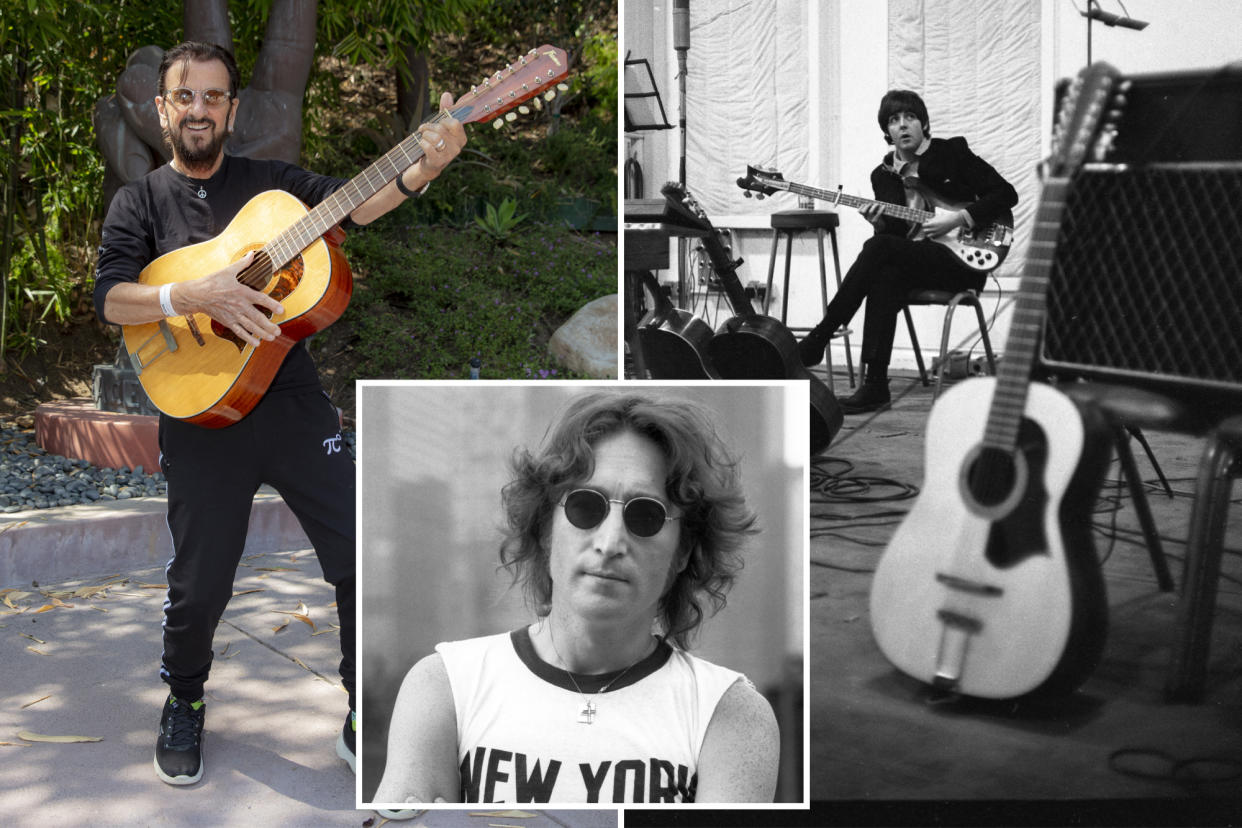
pixel 163 211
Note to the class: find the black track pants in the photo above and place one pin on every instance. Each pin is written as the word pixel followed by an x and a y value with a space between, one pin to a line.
pixel 289 441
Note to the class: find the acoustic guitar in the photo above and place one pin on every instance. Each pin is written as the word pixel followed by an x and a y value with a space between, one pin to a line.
pixel 991 587
pixel 674 341
pixel 981 248
pixel 194 368
pixel 752 346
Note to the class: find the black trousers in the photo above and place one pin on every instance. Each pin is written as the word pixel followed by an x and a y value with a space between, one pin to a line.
pixel 886 270
pixel 289 441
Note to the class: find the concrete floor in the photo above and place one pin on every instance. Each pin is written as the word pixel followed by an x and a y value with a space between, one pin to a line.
pixel 881 740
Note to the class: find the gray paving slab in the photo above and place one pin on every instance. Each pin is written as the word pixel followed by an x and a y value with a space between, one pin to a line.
pixel 87 666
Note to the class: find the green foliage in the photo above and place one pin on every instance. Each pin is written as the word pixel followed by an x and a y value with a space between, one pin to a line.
pixel 499 223
pixel 56 60
pixel 59 59
pixel 427 300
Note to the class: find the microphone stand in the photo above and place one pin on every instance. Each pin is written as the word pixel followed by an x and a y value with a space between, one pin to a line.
pixel 681 44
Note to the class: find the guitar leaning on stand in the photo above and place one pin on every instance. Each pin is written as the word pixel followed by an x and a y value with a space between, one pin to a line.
pixel 674 341
pixel 991 586
pixel 195 369
pixel 752 346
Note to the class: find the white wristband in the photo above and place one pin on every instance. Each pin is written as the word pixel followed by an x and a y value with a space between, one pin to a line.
pixel 166 300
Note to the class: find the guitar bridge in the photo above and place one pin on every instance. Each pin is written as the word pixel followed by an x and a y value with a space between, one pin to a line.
pixel 954 640
pixel 163 334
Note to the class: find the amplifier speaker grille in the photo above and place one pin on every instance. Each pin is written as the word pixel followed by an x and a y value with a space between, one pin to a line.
pixel 1147 279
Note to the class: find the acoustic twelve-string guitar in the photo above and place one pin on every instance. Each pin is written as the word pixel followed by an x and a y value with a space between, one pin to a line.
pixel 197 370
pixel 991 586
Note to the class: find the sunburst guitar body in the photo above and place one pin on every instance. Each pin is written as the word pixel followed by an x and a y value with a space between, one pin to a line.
pixel 209 376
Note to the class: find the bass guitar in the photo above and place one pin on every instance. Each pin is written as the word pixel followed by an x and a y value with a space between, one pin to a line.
pixel 194 368
pixel 991 587
pixel 753 346
pixel 980 248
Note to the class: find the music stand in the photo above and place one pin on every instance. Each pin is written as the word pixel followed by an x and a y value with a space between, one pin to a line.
pixel 643 108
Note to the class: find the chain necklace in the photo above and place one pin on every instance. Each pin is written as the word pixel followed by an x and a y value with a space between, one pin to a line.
pixel 587 714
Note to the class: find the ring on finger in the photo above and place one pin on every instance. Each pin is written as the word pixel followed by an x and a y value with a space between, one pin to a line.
pixel 440 144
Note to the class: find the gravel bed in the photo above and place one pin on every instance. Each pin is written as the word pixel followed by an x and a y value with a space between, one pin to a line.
pixel 30 478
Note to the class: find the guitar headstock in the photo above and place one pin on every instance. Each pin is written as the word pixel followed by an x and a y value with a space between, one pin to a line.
pixel 534 75
pixel 1086 120
pixel 762 181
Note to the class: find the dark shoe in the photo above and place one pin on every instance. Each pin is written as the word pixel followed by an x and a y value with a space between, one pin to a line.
pixel 345 742
pixel 811 349
pixel 179 749
pixel 871 396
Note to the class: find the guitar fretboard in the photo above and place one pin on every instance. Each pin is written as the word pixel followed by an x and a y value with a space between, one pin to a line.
pixel 1013 377
pixel 901 211
pixel 332 210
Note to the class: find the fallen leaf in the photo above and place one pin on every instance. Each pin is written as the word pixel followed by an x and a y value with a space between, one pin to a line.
pixel 277 569
pixel 280 626
pixel 298 661
pixel 330 628
pixel 32 638
pixel 14 744
pixel 153 586
pixel 247 592
pixel 39 737
pixel 36 701
pixel 37 652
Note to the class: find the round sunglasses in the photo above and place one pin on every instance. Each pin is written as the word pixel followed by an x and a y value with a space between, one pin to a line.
pixel 644 516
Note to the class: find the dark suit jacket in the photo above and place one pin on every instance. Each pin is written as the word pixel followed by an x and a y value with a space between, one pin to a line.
pixel 955 174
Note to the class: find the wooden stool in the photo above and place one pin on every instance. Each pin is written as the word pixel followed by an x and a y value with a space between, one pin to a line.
pixel 791 223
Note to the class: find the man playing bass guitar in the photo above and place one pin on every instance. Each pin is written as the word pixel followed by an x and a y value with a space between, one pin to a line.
pixel 291 439
pixel 900 257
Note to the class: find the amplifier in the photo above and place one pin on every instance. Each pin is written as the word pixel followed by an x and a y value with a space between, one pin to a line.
pixel 1146 286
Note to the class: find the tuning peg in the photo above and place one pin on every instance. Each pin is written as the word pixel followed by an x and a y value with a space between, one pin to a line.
pixel 538 104
pixel 746 193
pixel 564 87
pixel 524 109
pixel 760 196
pixel 549 95
pixel 498 123
pixel 510 116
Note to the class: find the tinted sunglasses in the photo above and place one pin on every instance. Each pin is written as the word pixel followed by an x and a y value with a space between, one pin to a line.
pixel 644 516
pixel 181 97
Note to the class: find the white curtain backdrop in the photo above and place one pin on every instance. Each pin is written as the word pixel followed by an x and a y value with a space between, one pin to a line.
pixel 977 66
pixel 748 95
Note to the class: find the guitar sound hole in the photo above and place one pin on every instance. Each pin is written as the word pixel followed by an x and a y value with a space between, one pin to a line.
pixel 991 477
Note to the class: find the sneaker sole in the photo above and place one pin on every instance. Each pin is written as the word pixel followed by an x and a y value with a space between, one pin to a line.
pixel 343 751
pixel 177 780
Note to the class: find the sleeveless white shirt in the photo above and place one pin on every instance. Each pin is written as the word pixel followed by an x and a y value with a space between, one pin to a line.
pixel 519 736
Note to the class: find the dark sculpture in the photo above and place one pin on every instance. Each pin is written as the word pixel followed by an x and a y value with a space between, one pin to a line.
pixel 269 115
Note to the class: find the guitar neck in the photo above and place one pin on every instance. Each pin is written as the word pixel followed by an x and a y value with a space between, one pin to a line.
pixel 726 269
pixel 901 211
pixel 1013 377
pixel 335 208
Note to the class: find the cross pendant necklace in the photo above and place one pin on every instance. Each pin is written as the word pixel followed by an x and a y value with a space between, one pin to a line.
pixel 586 715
